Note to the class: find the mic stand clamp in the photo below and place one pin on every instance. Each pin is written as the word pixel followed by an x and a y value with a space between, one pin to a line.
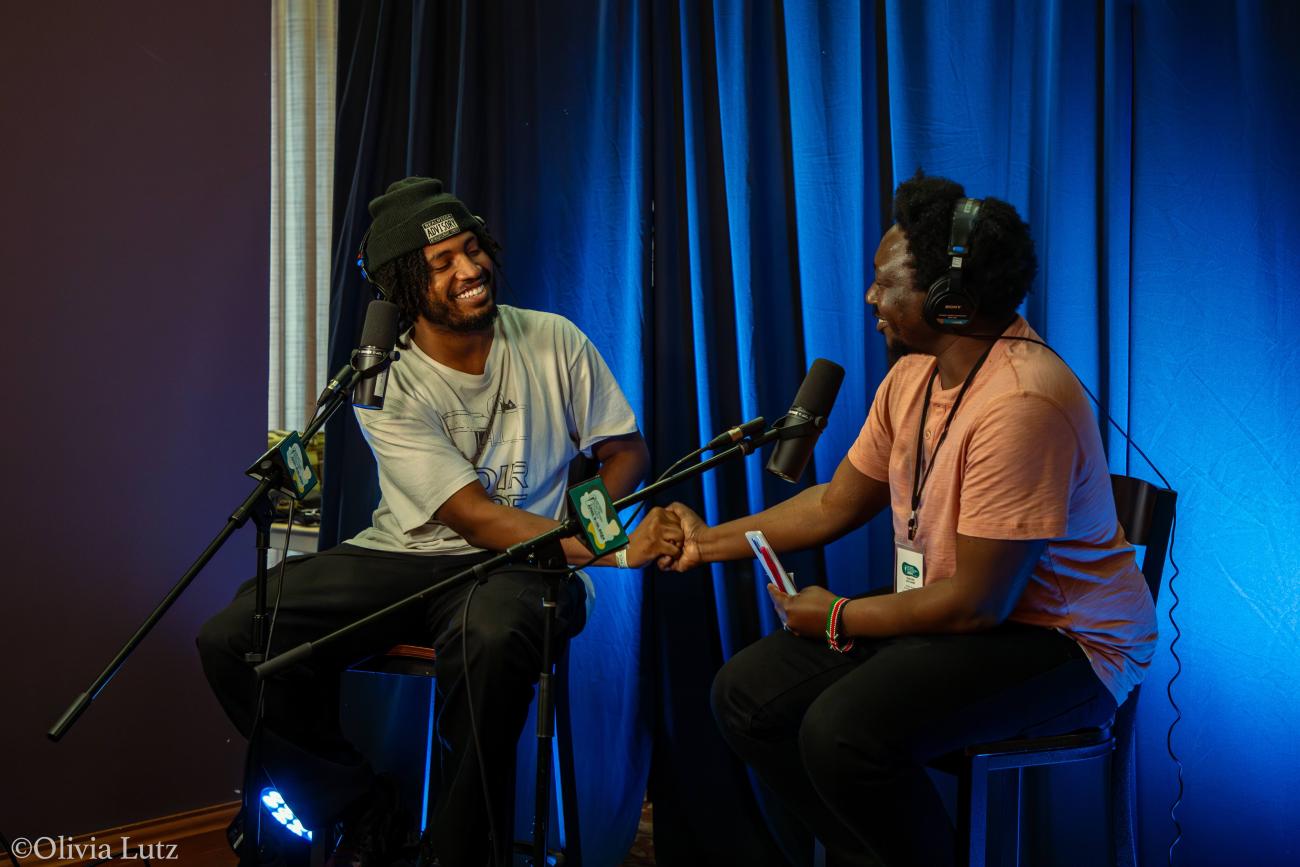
pixel 805 427
pixel 384 360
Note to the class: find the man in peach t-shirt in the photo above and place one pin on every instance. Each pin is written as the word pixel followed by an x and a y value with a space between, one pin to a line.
pixel 1018 606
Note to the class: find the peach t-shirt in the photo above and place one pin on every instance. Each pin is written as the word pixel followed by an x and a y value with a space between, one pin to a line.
pixel 1023 459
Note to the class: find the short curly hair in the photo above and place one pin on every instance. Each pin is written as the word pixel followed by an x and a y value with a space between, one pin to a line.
pixel 1002 264
pixel 405 281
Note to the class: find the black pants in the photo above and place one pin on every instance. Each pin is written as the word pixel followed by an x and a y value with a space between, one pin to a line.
pixel 304 750
pixel 841 738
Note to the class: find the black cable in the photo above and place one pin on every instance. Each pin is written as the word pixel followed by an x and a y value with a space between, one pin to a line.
pixel 1169 692
pixel 259 707
pixel 473 724
pixel 1084 386
pixel 1178 633
pixel 279 591
pixel 469 697
pixel 665 474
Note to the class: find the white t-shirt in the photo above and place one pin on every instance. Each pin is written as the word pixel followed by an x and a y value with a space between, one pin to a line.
pixel 545 394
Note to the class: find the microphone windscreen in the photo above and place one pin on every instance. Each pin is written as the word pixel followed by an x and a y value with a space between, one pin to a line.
pixel 381 325
pixel 820 387
pixel 815 398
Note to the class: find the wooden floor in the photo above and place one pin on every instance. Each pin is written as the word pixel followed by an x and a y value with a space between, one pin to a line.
pixel 643 847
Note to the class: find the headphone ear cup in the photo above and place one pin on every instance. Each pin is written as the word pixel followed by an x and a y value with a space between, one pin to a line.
pixel 948 310
pixel 930 310
pixel 949 304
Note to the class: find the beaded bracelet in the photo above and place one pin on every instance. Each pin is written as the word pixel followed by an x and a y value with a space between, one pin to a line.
pixel 835 623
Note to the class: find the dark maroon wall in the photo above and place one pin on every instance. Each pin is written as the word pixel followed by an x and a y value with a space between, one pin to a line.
pixel 135 174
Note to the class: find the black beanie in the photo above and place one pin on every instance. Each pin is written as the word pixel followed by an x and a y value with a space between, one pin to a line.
pixel 411 214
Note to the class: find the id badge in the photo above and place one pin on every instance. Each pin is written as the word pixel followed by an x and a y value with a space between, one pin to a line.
pixel 909 567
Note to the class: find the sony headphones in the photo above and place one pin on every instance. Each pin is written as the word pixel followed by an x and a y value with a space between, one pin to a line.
pixel 489 243
pixel 949 305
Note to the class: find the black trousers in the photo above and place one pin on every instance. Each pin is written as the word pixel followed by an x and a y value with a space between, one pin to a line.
pixel 841 738
pixel 303 748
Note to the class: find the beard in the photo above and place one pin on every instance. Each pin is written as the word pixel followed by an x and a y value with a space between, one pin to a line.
pixel 444 313
pixel 896 349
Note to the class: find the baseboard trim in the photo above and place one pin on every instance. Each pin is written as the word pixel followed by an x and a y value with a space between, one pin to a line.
pixel 154 836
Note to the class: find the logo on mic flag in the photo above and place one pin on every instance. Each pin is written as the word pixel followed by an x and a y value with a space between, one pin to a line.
pixel 600 522
pixel 295 458
pixel 287 463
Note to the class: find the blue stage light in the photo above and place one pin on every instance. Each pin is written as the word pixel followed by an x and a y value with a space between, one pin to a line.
pixel 279 810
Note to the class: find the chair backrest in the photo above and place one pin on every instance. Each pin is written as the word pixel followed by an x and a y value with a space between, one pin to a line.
pixel 1147 515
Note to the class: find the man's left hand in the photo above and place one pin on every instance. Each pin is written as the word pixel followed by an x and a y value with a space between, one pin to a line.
pixel 805 612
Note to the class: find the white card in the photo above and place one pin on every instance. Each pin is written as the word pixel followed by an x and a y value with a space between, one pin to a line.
pixel 909 568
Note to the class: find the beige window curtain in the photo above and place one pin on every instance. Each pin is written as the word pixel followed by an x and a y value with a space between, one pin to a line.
pixel 303 50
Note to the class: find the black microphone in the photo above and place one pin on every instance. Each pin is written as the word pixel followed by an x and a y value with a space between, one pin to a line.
pixel 378 336
pixel 735 434
pixel 803 424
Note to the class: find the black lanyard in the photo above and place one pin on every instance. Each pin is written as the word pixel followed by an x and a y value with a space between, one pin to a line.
pixel 918 479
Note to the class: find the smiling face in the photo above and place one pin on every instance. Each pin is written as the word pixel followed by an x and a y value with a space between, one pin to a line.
pixel 460 296
pixel 896 300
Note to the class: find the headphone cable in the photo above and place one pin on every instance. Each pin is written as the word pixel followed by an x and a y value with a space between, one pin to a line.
pixel 1178 633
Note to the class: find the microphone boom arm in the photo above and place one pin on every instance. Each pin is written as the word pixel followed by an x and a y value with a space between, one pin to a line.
pixel 518 552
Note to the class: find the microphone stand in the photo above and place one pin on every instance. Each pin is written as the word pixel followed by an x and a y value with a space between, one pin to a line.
pixel 518 553
pixel 257 506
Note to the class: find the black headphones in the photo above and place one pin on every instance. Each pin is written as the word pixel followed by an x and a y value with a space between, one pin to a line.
pixel 949 305
pixel 480 228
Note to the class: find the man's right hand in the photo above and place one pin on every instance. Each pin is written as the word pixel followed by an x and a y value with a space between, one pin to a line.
pixel 692 525
pixel 657 537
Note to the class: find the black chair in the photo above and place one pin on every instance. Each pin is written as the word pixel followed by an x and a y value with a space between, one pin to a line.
pixel 406 729
pixel 1146 513
pixel 396 733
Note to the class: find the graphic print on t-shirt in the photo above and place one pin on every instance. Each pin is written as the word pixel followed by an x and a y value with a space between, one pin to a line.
pixel 469 429
pixel 509 427
pixel 506 484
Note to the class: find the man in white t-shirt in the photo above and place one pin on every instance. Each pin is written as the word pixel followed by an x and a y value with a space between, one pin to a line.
pixel 483 413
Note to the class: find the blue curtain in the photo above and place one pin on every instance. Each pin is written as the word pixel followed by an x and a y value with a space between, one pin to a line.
pixel 701 185
pixel 1214 358
pixel 765 191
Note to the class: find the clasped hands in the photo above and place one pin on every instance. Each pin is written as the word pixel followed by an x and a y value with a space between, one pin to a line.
pixel 669 536
pixel 666 536
pixel 658 536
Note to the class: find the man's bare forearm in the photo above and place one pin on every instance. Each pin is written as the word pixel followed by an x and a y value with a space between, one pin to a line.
pixel 624 462
pixel 791 525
